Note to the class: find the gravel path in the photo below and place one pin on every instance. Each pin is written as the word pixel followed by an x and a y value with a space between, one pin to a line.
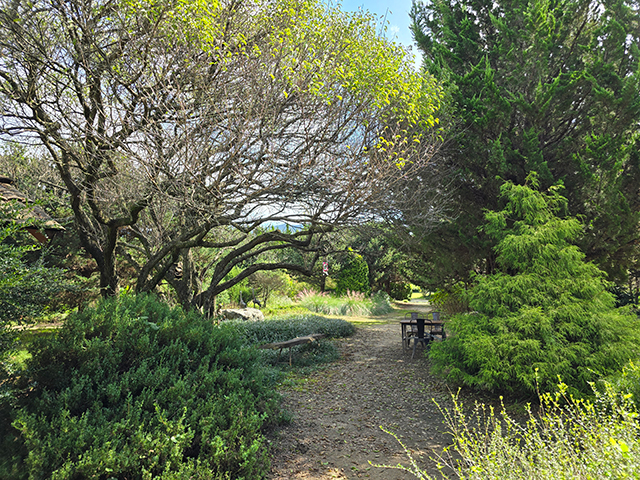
pixel 338 412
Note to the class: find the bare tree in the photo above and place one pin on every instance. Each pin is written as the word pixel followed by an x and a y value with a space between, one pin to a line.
pixel 177 128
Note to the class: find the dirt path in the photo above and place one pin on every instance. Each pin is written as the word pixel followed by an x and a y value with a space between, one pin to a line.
pixel 338 411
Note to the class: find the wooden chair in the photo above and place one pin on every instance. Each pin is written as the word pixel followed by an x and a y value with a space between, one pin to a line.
pixel 408 329
pixel 437 328
pixel 420 335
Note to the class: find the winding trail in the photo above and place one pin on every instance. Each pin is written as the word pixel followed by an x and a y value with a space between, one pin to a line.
pixel 338 412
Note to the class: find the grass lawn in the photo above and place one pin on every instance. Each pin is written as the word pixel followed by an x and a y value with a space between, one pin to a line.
pixel 417 296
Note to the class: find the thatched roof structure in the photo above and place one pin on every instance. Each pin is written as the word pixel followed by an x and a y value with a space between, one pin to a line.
pixel 33 216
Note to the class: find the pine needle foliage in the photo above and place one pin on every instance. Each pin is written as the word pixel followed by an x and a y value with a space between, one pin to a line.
pixel 544 313
pixel 134 389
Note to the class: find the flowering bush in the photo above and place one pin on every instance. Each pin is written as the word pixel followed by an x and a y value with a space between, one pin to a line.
pixel 568 438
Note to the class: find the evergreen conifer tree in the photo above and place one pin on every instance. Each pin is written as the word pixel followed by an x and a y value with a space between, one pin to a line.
pixel 544 85
pixel 545 313
pixel 354 275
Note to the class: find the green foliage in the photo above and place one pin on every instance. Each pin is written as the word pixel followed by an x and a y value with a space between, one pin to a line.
pixel 354 275
pixel 568 438
pixel 624 296
pixel 135 389
pixel 26 287
pixel 400 291
pixel 351 304
pixel 536 85
pixel 325 52
pixel 628 380
pixel 231 296
pixel 384 248
pixel 451 300
pixel 545 313
pixel 280 305
pixel 287 327
pixel 280 67
pixel 265 283
pixel 381 304
pixel 278 329
pixel 35 177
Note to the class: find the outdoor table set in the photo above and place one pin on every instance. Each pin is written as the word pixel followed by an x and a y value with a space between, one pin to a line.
pixel 418 327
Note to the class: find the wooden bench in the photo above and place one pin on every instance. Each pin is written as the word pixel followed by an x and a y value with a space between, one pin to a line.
pixel 292 343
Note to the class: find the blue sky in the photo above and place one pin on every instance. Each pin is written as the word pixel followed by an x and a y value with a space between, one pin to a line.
pixel 397 15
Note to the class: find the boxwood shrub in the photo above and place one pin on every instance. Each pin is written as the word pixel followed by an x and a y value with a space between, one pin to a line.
pixel 134 389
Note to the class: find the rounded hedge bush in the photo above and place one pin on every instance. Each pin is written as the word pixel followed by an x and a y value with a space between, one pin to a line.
pixel 134 389
pixel 400 291
pixel 354 275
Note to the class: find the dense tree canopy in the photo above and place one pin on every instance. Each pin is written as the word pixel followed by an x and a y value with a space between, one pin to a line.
pixel 544 85
pixel 179 126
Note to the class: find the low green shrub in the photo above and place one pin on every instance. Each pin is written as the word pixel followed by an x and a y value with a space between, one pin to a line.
pixel 288 327
pixel 134 389
pixel 568 438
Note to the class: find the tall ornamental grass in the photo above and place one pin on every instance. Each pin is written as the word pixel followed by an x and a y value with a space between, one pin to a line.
pixel 281 304
pixel 567 439
pixel 350 304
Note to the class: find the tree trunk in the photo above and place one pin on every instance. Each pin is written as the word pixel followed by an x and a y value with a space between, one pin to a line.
pixel 186 284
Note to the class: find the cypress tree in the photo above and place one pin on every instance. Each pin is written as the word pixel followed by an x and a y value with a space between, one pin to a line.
pixel 354 275
pixel 550 86
pixel 544 313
